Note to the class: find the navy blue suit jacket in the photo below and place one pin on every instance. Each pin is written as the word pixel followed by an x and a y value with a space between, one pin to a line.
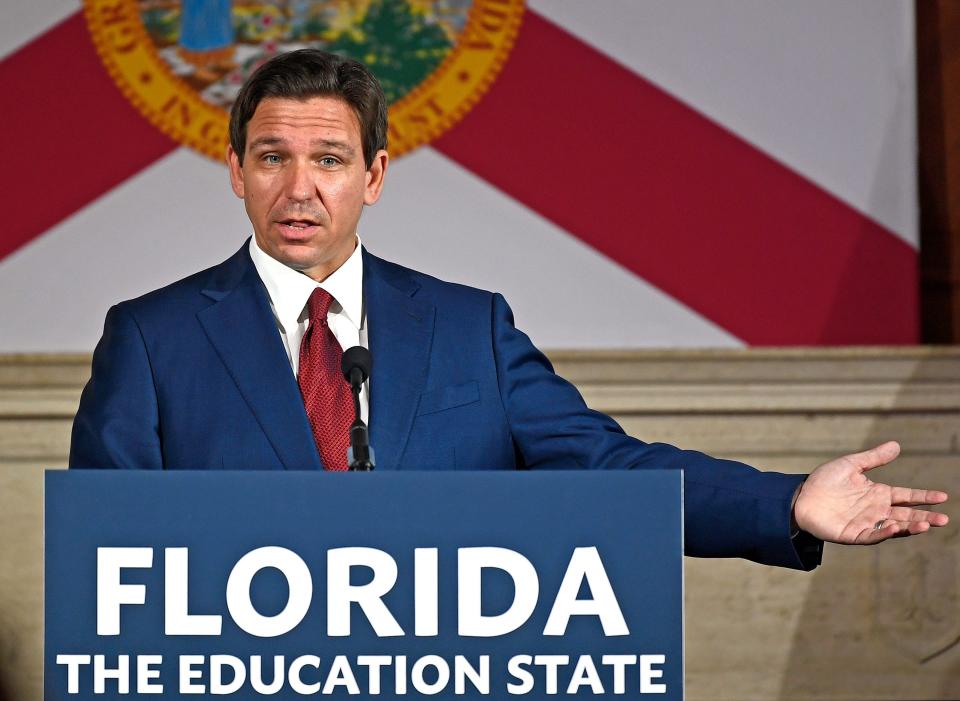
pixel 194 376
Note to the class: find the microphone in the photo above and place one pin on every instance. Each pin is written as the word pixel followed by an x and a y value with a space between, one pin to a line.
pixel 356 365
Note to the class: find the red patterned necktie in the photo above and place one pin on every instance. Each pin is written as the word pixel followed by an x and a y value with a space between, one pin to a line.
pixel 326 394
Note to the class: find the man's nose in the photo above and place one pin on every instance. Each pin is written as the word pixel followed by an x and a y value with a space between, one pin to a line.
pixel 299 182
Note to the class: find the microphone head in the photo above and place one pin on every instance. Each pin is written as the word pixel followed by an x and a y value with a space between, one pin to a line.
pixel 356 358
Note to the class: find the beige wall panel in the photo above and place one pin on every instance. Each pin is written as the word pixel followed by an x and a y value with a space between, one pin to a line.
pixel 38 402
pixel 776 434
pixel 21 580
pixel 52 370
pixel 859 364
pixel 701 397
pixel 38 439
pixel 869 624
pixel 872 623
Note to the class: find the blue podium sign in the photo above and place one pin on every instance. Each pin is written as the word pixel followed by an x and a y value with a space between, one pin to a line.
pixel 472 585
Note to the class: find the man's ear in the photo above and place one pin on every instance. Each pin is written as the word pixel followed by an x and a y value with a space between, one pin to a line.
pixel 236 172
pixel 375 175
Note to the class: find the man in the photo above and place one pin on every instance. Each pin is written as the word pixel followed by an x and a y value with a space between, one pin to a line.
pixel 198 375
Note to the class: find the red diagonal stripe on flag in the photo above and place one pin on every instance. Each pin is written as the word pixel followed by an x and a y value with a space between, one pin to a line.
pixel 71 136
pixel 683 203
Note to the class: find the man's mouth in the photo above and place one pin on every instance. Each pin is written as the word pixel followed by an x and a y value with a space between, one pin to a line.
pixel 296 229
pixel 298 223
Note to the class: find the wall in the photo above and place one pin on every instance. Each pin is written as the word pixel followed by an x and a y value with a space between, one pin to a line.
pixel 877 623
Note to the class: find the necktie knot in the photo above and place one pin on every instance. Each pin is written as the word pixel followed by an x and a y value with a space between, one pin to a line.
pixel 318 306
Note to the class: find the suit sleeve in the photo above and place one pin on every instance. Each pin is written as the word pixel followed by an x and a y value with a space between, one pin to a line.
pixel 117 424
pixel 730 509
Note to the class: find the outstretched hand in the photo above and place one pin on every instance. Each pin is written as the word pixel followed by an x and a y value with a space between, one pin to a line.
pixel 840 504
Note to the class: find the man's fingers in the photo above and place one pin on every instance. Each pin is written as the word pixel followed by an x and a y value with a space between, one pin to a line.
pixel 905 496
pixel 875 457
pixel 892 529
pixel 905 528
pixel 871 536
pixel 908 515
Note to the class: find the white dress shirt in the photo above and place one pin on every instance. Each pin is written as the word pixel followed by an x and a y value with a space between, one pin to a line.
pixel 289 290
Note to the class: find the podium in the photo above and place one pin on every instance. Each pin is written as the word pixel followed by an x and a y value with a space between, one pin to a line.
pixel 473 585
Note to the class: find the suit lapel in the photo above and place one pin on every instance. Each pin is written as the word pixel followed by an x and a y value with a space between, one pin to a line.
pixel 401 333
pixel 244 333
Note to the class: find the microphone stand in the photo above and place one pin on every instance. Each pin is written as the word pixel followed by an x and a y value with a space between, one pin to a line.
pixel 359 455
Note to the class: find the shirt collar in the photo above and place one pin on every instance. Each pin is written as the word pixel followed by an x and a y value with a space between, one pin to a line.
pixel 290 289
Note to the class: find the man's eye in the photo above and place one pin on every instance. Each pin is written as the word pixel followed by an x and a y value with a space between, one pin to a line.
pixel 272 159
pixel 329 161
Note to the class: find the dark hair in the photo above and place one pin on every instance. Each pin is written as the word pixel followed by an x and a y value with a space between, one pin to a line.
pixel 306 73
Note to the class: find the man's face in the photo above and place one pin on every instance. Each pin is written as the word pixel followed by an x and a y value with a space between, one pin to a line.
pixel 304 181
